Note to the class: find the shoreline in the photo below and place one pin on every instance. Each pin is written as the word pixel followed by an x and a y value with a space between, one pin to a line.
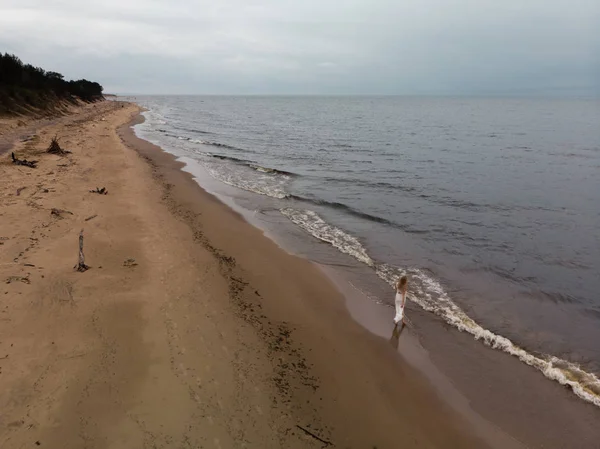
pixel 498 395
pixel 368 315
pixel 466 295
pixel 190 328
pixel 163 161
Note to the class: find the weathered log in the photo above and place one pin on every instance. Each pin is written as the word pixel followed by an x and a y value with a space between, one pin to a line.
pixel 100 191
pixel 25 162
pixel 81 266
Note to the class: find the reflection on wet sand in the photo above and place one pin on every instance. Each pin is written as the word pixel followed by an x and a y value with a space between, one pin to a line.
pixel 395 338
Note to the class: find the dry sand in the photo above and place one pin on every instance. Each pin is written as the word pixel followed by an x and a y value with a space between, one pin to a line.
pixel 190 330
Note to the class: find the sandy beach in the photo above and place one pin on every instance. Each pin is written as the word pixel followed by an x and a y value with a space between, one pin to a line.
pixel 190 329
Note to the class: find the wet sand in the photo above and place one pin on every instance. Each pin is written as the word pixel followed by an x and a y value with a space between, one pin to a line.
pixel 191 328
pixel 501 398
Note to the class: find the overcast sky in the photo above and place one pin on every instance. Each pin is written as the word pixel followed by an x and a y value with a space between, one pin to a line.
pixel 313 46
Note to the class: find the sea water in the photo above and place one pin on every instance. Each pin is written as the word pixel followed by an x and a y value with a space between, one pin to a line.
pixel 490 205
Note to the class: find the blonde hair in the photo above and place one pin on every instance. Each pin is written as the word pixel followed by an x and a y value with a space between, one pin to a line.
pixel 402 283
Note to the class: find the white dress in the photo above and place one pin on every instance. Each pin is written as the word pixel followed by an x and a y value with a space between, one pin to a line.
pixel 399 308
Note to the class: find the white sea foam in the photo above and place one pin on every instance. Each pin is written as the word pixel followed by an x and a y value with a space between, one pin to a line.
pixel 261 184
pixel 262 169
pixel 319 228
pixel 232 171
pixel 431 296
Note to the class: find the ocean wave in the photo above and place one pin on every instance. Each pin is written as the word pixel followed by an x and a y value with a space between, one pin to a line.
pixel 252 165
pixel 191 130
pixel 431 297
pixel 274 171
pixel 367 183
pixel 262 184
pixel 229 158
pixel 344 207
pixel 319 228
pixel 203 142
pixel 419 193
pixel 247 175
pixel 224 145
pixel 356 213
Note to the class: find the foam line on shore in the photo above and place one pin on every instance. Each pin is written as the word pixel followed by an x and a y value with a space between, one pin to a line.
pixel 431 296
pixel 426 292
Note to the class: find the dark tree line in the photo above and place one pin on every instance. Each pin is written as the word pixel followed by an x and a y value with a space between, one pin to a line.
pixel 23 84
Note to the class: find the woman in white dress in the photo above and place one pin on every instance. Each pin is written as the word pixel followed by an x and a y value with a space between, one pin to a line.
pixel 400 301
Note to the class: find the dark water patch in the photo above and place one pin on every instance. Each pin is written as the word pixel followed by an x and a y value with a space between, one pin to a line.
pixel 222 145
pixel 368 183
pixel 342 206
pixel 252 165
pixel 556 298
pixel 357 213
pixel 230 158
pixel 193 130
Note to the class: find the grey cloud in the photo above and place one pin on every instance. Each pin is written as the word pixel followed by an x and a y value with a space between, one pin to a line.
pixel 326 46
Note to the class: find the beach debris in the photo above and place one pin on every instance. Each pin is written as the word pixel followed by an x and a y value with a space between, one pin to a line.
pixel 130 263
pixel 25 162
pixel 20 189
pixel 100 191
pixel 23 279
pixel 54 148
pixel 308 432
pixel 91 218
pixel 81 266
pixel 59 212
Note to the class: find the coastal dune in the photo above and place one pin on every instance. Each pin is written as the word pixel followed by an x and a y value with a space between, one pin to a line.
pixel 190 329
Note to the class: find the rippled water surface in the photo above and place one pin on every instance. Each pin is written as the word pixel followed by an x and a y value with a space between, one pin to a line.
pixel 491 205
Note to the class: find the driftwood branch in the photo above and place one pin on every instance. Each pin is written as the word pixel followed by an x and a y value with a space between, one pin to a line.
pixel 308 432
pixel 54 148
pixel 100 191
pixel 25 162
pixel 81 266
pixel 59 212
